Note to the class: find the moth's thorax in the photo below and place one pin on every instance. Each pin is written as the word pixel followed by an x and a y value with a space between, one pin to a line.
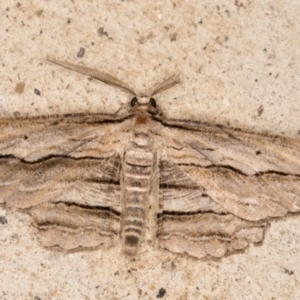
pixel 141 119
pixel 143 109
pixel 142 114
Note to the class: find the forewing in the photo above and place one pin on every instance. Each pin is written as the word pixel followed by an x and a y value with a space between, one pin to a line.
pixel 66 175
pixel 219 187
pixel 76 136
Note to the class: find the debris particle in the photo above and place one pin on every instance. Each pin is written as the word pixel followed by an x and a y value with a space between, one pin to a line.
pixel 286 271
pixel 173 36
pixel 19 88
pixel 37 92
pixel 3 220
pixel 161 293
pixel 16 114
pixel 102 32
pixel 81 52
pixel 260 110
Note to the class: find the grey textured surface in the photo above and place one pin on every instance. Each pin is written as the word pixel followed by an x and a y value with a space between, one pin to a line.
pixel 235 58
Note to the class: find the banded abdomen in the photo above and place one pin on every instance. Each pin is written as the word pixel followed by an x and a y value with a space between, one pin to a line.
pixel 137 173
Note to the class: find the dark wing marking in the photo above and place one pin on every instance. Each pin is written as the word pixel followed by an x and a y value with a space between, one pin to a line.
pixel 208 234
pixel 71 227
pixel 242 180
pixel 37 139
pixel 179 194
pixel 67 177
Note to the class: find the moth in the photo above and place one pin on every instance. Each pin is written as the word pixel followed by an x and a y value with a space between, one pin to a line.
pixel 95 180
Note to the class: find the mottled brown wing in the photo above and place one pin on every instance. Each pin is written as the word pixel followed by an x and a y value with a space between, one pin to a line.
pixel 219 187
pixel 65 173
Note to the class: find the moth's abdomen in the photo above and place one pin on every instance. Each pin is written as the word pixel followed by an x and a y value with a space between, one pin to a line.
pixel 137 172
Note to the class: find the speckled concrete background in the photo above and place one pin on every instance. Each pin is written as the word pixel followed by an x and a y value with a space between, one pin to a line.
pixel 239 62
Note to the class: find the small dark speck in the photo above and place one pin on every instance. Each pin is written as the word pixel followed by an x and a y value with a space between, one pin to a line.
pixel 173 37
pixel 161 293
pixel 80 54
pixel 92 43
pixel 286 271
pixel 258 152
pixel 226 38
pixel 276 75
pixel 256 80
pixel 270 74
pixel 236 3
pixel 200 22
pixel 18 4
pixel 19 88
pixel 37 92
pixel 97 286
pixel 265 50
pixel 260 110
pixel 299 132
pixel 25 137
pixel 16 114
pixel 69 21
pixel 3 220
pixel 37 298
pixel 39 12
pixel 117 273
pixel 101 32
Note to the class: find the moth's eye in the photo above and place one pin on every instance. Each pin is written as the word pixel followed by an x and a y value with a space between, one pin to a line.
pixel 134 101
pixel 153 102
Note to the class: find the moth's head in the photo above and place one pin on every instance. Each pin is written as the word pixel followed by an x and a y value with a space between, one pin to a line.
pixel 144 105
pixel 147 105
